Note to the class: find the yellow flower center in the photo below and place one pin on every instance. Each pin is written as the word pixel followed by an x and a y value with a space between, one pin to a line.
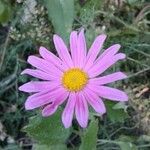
pixel 74 79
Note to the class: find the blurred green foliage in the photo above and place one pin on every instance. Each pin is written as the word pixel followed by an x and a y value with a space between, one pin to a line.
pixel 125 22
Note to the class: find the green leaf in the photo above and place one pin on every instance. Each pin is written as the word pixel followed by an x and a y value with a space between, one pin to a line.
pixel 61 14
pixel 49 131
pixel 115 115
pixel 120 105
pixel 2 8
pixel 5 12
pixel 127 146
pixel 126 138
pixel 125 142
pixel 89 138
pixel 144 138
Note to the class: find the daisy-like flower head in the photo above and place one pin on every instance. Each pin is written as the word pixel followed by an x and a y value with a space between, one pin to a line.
pixel 74 77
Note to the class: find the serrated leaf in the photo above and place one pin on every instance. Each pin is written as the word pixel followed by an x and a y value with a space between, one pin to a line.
pixel 49 130
pixel 115 115
pixel 61 14
pixel 89 138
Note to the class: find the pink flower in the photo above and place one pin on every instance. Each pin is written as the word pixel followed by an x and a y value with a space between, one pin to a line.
pixel 73 77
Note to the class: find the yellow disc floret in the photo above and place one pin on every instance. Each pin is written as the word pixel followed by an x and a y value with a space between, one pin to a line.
pixel 74 79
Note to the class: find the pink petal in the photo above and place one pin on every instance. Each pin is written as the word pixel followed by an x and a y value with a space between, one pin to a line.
pixel 81 110
pixel 43 98
pixel 109 52
pixel 39 74
pixel 51 108
pixel 67 114
pixel 44 65
pixel 104 64
pixel 62 98
pixel 47 55
pixel 81 46
pixel 109 93
pixel 95 101
pixel 94 50
pixel 62 50
pixel 108 78
pixel 73 46
pixel 120 56
pixel 38 86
